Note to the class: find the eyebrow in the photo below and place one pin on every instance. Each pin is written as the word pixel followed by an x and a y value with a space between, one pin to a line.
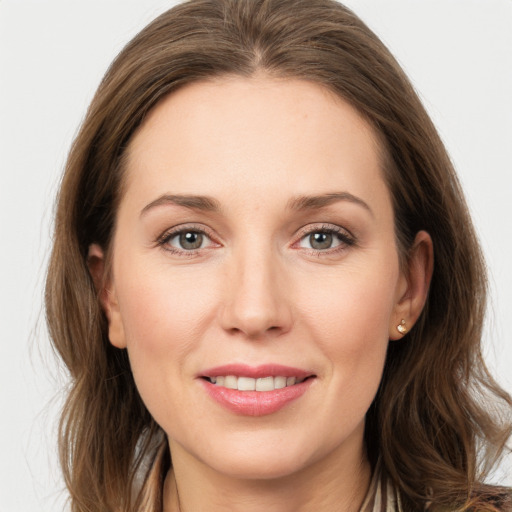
pixel 317 202
pixel 202 203
pixel 299 203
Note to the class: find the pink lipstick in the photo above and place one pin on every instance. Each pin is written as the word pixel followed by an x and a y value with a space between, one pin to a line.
pixel 255 391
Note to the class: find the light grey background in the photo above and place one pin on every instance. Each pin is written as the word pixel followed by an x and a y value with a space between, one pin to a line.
pixel 53 54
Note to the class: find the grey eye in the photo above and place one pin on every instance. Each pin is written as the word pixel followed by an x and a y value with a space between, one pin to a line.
pixel 320 240
pixel 190 240
pixel 186 240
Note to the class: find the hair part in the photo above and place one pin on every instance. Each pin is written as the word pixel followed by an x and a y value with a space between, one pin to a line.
pixel 430 422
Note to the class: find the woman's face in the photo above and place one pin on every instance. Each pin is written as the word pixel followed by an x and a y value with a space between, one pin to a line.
pixel 255 247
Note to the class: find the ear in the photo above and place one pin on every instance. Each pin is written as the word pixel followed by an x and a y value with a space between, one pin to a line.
pixel 413 287
pixel 105 288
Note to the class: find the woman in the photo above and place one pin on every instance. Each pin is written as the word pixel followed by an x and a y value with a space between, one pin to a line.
pixel 243 278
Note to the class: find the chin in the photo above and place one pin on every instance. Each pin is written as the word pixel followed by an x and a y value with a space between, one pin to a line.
pixel 259 468
pixel 264 459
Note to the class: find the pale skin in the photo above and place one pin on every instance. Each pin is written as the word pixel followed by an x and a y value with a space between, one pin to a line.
pixel 313 284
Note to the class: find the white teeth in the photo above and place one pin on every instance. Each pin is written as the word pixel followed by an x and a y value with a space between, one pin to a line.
pixel 230 382
pixel 246 384
pixel 280 382
pixel 265 384
pixel 250 384
pixel 290 381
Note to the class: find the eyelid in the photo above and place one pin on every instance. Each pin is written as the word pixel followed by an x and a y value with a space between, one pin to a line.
pixel 347 238
pixel 170 233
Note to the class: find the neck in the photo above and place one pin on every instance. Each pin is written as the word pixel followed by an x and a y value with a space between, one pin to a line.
pixel 335 483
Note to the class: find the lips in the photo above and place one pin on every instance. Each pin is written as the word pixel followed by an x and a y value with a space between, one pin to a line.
pixel 255 391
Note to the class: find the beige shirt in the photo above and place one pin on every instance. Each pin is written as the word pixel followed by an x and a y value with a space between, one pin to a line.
pixel 382 496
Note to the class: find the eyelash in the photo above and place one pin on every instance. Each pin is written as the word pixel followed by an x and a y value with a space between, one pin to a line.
pixel 345 237
pixel 164 239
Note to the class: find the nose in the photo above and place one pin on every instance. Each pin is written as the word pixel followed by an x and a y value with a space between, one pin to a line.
pixel 257 303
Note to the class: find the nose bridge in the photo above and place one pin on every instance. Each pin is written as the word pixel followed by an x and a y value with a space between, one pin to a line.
pixel 255 303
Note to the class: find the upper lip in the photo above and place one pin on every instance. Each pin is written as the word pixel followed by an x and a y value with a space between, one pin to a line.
pixel 255 372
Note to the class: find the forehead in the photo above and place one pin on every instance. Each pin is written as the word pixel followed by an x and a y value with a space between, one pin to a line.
pixel 221 136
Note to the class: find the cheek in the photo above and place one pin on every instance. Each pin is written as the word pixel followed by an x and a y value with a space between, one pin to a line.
pixel 349 316
pixel 162 310
pixel 163 314
pixel 355 304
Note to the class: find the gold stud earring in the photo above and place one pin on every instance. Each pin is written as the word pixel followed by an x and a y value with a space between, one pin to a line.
pixel 401 328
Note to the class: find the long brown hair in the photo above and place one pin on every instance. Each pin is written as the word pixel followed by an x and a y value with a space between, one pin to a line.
pixel 432 423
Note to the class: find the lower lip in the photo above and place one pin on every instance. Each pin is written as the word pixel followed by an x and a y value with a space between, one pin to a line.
pixel 256 403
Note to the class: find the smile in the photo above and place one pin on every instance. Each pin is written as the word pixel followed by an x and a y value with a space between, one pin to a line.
pixel 256 391
pixel 268 383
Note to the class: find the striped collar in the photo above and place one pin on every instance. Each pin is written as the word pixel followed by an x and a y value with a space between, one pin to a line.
pixel 382 495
